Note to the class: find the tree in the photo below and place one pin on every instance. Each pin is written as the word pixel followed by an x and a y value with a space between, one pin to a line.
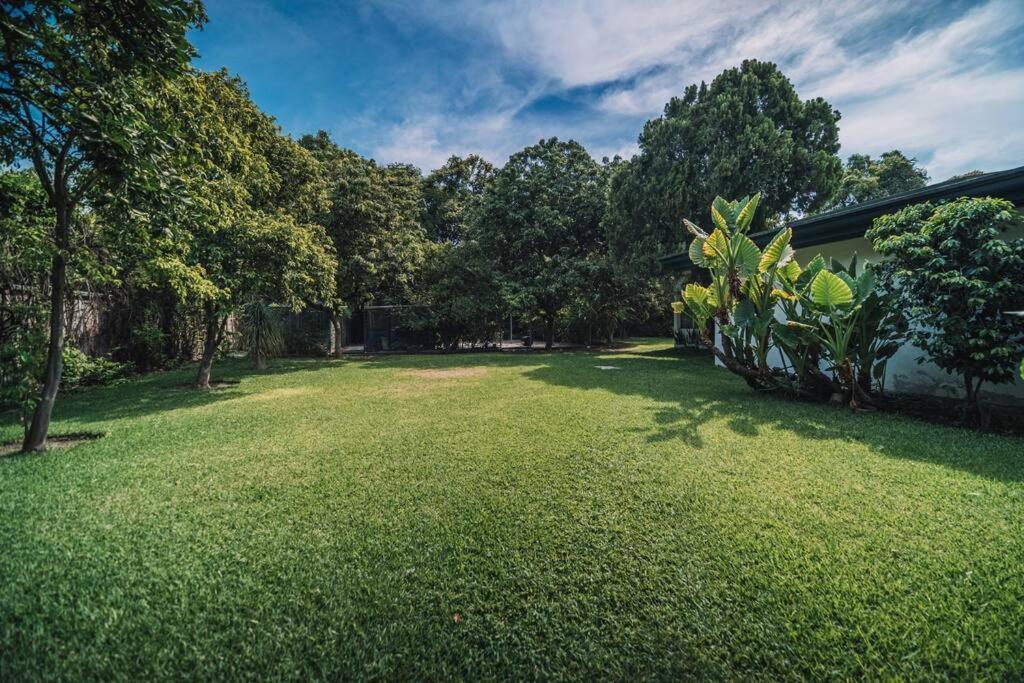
pixel 457 286
pixel 70 73
pixel 539 223
pixel 865 178
pixel 242 227
pixel 261 192
pixel 746 131
pixel 373 221
pixel 958 279
pixel 451 194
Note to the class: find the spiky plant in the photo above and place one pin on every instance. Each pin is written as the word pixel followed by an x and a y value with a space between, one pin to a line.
pixel 262 332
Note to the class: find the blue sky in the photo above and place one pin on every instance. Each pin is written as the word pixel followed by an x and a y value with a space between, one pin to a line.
pixel 417 81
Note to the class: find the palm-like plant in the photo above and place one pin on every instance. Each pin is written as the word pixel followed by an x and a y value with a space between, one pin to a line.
pixel 262 332
pixel 831 315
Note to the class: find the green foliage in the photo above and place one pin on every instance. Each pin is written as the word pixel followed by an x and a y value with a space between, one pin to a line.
pixel 262 331
pixel 458 288
pixel 539 225
pixel 373 221
pixel 832 315
pixel 81 370
pixel 451 195
pixel 957 278
pixel 747 129
pixel 865 178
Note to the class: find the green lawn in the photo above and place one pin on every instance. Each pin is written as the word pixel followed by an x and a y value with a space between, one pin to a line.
pixel 524 513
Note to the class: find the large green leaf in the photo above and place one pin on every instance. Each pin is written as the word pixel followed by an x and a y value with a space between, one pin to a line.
pixel 719 219
pixel 778 252
pixel 744 314
pixel 715 247
pixel 747 254
pixel 746 214
pixel 829 290
pixel 791 271
pixel 697 252
pixel 815 266
pixel 723 208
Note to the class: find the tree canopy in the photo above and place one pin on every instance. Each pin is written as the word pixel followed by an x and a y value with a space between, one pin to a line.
pixel 958 279
pixel 540 222
pixel 865 178
pixel 71 76
pixel 451 194
pixel 746 131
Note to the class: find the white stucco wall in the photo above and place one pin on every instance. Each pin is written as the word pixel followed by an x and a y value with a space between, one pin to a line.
pixel 903 373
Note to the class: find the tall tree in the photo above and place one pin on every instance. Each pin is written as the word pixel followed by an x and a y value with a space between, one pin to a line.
pixel 865 178
pixel 540 223
pixel 748 131
pixel 373 221
pixel 70 75
pixel 244 226
pixel 451 194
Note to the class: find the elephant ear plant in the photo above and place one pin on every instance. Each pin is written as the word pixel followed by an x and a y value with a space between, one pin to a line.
pixel 780 322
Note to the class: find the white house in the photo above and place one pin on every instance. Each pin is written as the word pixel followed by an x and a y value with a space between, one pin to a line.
pixel 840 234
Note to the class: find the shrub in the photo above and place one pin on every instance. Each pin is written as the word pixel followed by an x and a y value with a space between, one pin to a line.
pixel 957 279
pixel 81 370
pixel 262 332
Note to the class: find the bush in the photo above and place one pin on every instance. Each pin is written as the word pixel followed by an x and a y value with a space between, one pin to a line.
pixel 958 280
pixel 81 370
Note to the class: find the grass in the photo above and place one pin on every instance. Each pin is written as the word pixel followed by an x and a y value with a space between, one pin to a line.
pixel 525 514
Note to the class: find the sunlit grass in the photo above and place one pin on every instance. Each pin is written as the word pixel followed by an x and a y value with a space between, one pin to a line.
pixel 488 515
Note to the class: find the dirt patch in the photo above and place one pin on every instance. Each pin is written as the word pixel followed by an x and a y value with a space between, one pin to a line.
pixel 53 443
pixel 452 373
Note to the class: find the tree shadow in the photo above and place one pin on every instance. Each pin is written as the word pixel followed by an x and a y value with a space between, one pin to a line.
pixel 691 392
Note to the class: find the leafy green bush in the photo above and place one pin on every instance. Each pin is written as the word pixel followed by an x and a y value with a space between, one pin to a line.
pixel 957 279
pixel 81 370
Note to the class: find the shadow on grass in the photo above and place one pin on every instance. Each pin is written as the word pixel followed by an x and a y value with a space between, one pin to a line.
pixel 694 392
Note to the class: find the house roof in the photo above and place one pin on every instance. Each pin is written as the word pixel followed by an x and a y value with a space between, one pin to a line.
pixel 852 221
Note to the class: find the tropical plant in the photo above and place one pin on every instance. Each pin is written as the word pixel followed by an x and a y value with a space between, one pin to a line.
pixel 828 314
pixel 262 332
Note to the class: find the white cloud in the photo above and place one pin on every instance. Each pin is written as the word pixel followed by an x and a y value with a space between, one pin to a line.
pixel 939 88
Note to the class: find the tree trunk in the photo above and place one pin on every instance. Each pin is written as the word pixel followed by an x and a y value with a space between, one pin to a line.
pixel 259 361
pixel 549 332
pixel 35 435
pixel 211 342
pixel 338 323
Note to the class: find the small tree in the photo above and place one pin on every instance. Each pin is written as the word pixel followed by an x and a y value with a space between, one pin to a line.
pixel 262 332
pixel 958 278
